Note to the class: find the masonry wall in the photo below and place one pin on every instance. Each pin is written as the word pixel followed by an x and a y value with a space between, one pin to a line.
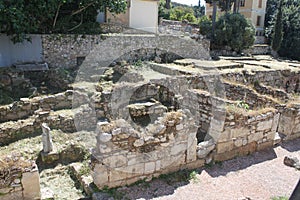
pixel 123 155
pixel 19 179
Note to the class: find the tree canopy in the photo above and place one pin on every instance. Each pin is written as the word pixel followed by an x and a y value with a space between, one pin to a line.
pixel 290 45
pixel 21 17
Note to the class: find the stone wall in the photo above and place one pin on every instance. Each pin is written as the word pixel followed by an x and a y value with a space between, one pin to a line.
pixel 71 50
pixel 246 133
pixel 67 50
pixel 69 111
pixel 19 179
pixel 289 123
pixel 124 155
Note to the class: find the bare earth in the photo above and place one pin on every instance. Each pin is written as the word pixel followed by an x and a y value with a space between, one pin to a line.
pixel 260 176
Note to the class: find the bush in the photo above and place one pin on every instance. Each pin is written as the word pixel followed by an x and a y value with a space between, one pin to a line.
pixel 205 26
pixel 235 31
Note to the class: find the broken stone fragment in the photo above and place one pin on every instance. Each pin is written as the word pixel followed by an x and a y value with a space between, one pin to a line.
pixel 292 162
pixel 138 143
pixel 204 148
pixel 105 137
pixel 116 131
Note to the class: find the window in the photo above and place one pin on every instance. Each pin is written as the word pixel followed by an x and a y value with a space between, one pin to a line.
pixel 210 16
pixel 260 3
pixel 242 4
pixel 258 21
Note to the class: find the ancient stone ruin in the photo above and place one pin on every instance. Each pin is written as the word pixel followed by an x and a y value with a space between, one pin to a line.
pixel 136 119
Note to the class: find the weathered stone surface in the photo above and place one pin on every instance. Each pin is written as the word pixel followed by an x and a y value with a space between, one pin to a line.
pixel 204 148
pixel 31 185
pixel 264 125
pixel 291 162
pixel 46 139
pixel 224 146
pixel 254 137
pixel 105 137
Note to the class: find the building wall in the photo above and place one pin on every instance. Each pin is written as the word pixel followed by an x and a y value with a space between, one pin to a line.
pixel 141 14
pixel 144 15
pixel 11 53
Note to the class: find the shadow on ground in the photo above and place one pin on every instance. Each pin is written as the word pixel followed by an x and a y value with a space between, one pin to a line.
pixel 291 146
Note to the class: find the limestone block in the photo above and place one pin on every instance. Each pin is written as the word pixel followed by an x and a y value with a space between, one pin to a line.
pixel 204 148
pixel 178 149
pixel 139 143
pixel 115 161
pixel 105 137
pixel 224 146
pixel 133 170
pixel 118 174
pixel 149 167
pixel 254 137
pixel 100 175
pixel 225 135
pixel 285 124
pixel 157 165
pixel 296 129
pixel 240 132
pixel 264 125
pixel 31 185
pixel 192 151
pixel 275 122
pixel 13 196
pixel 238 142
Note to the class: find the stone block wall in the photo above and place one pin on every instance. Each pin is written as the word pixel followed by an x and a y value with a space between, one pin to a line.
pixel 76 114
pixel 19 179
pixel 124 155
pixel 71 50
pixel 289 123
pixel 67 50
pixel 244 134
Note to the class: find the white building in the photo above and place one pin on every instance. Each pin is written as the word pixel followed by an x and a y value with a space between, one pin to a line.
pixel 141 14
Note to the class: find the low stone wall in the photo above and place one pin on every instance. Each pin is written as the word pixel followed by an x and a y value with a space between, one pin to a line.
pixel 26 107
pixel 19 179
pixel 244 134
pixel 123 155
pixel 289 123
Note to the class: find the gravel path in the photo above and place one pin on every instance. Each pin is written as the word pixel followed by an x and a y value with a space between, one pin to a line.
pixel 260 176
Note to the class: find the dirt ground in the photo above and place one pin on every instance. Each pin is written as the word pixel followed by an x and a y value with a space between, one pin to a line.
pixel 260 176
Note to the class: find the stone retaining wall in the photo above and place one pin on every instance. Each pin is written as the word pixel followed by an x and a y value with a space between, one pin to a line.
pixel 19 179
pixel 71 50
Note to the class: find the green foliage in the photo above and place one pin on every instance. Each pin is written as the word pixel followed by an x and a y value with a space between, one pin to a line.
pixel 179 12
pixel 235 31
pixel 21 17
pixel 290 45
pixel 242 104
pixel 278 32
pixel 205 26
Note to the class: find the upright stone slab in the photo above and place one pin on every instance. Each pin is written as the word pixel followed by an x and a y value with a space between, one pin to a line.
pixel 46 139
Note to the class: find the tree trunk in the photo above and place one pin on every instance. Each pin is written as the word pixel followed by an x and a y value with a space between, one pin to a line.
pixel 168 4
pixel 214 16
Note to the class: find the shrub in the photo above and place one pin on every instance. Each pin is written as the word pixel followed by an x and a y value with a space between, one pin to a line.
pixel 235 31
